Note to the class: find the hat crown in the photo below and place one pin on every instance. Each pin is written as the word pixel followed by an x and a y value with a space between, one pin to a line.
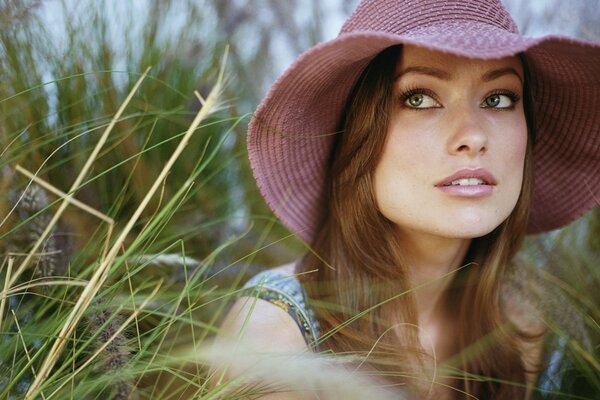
pixel 402 17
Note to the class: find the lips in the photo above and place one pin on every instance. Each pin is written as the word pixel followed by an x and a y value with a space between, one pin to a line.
pixel 469 177
pixel 468 184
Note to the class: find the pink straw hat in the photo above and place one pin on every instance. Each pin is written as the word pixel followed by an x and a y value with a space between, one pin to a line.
pixel 291 135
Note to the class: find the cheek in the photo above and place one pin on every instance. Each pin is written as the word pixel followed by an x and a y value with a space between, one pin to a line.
pixel 400 171
pixel 518 146
pixel 410 141
pixel 401 155
pixel 514 153
pixel 511 139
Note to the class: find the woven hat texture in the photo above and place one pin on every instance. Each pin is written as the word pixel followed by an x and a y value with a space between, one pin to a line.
pixel 291 135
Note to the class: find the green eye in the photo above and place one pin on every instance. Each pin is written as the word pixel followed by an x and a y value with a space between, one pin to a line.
pixel 419 99
pixel 493 100
pixel 415 100
pixel 500 101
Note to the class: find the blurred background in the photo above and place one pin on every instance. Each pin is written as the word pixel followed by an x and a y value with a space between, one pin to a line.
pixel 66 67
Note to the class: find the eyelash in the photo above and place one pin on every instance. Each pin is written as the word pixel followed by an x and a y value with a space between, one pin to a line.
pixel 407 93
pixel 415 90
pixel 514 98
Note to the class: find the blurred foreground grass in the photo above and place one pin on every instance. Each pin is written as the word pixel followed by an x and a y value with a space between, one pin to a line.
pixel 56 100
pixel 200 236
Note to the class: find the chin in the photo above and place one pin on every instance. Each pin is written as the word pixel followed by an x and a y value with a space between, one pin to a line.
pixel 474 223
pixel 472 230
pixel 472 233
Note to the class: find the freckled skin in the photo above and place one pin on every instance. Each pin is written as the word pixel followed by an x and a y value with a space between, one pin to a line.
pixel 455 125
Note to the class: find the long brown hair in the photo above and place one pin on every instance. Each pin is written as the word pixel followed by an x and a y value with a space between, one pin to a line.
pixel 360 287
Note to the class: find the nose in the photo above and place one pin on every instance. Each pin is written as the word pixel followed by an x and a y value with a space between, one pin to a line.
pixel 468 136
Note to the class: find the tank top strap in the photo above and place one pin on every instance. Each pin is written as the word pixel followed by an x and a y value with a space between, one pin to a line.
pixel 287 293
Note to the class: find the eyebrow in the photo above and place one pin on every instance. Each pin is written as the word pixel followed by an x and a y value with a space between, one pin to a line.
pixel 497 73
pixel 435 72
pixel 446 76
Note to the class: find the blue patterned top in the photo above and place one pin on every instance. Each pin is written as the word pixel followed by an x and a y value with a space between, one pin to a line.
pixel 559 380
pixel 287 293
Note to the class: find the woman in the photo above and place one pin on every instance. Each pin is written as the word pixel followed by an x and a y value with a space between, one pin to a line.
pixel 413 153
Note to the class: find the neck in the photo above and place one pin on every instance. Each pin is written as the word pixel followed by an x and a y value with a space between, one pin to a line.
pixel 430 262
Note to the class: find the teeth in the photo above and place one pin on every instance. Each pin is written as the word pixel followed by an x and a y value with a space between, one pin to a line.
pixel 467 182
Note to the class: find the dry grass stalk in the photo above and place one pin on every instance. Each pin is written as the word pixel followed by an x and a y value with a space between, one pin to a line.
pixel 7 170
pixel 71 200
pixel 79 179
pixel 11 261
pixel 116 333
pixel 53 255
pixel 63 195
pixel 46 282
pixel 25 346
pixel 101 273
pixel 69 326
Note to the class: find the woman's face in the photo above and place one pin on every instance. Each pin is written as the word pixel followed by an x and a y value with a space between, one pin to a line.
pixel 452 164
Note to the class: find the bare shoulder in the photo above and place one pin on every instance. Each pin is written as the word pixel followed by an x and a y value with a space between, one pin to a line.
pixel 258 328
pixel 263 324
pixel 261 329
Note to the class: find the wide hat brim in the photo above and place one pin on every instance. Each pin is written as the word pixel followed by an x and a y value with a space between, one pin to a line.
pixel 291 135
